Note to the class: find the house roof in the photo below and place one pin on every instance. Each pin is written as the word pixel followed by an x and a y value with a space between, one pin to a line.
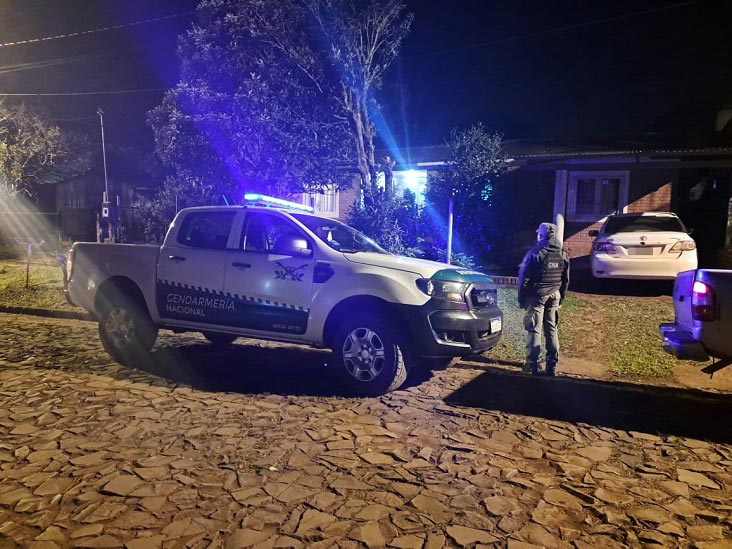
pixel 549 150
pixel 528 151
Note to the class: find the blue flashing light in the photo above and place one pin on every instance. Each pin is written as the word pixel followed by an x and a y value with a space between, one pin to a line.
pixel 272 202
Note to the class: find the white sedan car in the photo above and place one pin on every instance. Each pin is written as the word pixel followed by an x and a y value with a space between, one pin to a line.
pixel 653 245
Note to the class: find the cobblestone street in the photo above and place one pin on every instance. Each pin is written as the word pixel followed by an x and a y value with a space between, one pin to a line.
pixel 257 446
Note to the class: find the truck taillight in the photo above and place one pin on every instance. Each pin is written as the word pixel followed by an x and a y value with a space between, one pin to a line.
pixel 607 247
pixel 70 264
pixel 684 246
pixel 703 302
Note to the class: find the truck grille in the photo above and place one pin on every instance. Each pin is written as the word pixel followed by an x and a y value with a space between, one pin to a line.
pixel 483 297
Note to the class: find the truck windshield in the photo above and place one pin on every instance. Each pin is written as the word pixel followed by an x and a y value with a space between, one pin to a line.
pixel 339 236
pixel 643 223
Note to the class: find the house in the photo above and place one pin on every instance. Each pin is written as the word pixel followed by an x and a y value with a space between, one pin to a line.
pixel 592 181
pixel 75 194
pixel 79 199
pixel 579 184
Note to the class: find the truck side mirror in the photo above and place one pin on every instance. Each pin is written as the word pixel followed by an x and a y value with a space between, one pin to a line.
pixel 594 233
pixel 690 230
pixel 292 244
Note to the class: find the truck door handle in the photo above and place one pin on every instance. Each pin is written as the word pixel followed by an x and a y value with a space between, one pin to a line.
pixel 176 258
pixel 241 265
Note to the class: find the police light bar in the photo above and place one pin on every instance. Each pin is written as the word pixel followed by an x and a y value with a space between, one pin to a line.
pixel 272 202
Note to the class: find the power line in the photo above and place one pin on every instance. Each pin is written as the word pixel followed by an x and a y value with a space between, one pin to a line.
pixel 68 94
pixel 46 63
pixel 556 30
pixel 95 30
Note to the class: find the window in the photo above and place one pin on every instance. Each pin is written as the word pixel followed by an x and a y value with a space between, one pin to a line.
pixel 594 195
pixel 339 236
pixel 414 181
pixel 206 229
pixel 325 203
pixel 643 223
pixel 262 232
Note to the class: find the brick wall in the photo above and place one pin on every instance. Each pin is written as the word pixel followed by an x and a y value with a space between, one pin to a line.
pixel 649 191
pixel 576 240
pixel 656 201
pixel 345 200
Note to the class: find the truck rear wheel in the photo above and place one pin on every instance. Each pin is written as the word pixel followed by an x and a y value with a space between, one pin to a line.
pixel 369 355
pixel 127 331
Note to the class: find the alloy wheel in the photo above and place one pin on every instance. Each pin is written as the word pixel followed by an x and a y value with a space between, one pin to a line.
pixel 363 354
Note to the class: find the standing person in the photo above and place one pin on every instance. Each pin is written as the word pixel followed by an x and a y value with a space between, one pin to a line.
pixel 542 285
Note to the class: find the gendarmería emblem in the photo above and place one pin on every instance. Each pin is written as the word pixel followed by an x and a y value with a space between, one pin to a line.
pixel 293 273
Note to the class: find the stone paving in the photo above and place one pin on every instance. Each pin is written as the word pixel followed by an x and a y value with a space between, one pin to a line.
pixel 255 447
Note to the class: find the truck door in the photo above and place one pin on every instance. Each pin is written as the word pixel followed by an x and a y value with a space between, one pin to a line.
pixel 270 276
pixel 191 269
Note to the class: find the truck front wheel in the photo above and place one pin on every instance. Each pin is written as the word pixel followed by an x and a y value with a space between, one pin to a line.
pixel 369 355
pixel 126 331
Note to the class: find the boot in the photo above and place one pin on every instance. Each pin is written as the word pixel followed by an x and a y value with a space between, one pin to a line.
pixel 550 370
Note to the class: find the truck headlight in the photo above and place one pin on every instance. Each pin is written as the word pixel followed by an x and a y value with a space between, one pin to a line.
pixel 440 289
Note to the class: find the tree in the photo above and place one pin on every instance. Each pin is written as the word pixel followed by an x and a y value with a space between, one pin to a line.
pixel 32 150
pixel 255 108
pixel 277 96
pixel 362 38
pixel 475 160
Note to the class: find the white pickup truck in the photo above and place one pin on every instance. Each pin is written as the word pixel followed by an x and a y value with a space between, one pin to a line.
pixel 702 327
pixel 283 274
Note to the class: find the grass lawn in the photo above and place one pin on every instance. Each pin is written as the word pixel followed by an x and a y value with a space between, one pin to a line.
pixel 619 332
pixel 45 289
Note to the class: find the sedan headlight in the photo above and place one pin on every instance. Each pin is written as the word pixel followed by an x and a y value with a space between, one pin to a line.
pixel 440 289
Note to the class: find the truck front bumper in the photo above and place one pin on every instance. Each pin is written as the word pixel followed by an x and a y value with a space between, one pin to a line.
pixel 438 332
pixel 680 343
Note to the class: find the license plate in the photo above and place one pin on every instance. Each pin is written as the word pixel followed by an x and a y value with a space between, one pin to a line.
pixel 495 325
pixel 641 250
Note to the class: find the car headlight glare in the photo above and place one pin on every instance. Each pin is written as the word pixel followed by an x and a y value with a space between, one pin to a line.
pixel 440 289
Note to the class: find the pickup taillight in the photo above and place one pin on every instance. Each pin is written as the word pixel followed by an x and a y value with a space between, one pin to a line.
pixel 70 264
pixel 703 302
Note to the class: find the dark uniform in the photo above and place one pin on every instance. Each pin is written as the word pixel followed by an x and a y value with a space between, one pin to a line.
pixel 543 281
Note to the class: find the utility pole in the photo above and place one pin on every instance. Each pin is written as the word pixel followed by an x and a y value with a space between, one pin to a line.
pixel 448 259
pixel 106 199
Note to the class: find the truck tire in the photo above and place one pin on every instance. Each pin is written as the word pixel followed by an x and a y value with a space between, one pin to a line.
pixel 219 339
pixel 368 354
pixel 126 330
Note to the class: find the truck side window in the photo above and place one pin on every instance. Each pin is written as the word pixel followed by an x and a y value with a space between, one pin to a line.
pixel 262 231
pixel 206 230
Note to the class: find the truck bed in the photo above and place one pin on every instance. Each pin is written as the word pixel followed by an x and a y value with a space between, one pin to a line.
pixel 95 263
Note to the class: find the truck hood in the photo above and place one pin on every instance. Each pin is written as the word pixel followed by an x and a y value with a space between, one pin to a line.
pixel 420 267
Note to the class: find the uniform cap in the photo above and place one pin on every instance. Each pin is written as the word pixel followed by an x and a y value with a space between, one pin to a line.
pixel 547 230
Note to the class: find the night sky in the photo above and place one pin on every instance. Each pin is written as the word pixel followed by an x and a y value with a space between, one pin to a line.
pixel 533 69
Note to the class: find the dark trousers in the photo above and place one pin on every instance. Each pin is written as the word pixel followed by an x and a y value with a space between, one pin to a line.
pixel 542 316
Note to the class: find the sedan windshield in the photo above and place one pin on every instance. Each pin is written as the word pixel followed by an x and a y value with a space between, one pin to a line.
pixel 339 236
pixel 643 223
